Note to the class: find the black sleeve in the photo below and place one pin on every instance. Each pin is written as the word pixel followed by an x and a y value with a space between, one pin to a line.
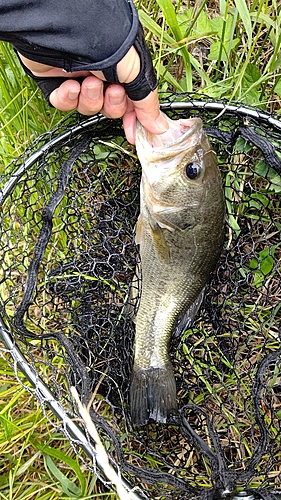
pixel 77 35
pixel 70 34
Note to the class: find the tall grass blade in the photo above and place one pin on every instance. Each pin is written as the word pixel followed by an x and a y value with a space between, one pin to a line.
pixel 67 486
pixel 246 18
pixel 169 12
pixel 155 29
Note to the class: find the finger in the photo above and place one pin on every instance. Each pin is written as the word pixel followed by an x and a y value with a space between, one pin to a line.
pixel 148 113
pixel 65 97
pixel 129 122
pixel 115 101
pixel 91 96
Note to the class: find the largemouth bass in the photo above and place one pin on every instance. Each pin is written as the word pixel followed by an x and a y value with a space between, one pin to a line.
pixel 180 232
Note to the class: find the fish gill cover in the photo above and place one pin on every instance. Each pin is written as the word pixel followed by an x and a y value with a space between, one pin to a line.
pixel 68 258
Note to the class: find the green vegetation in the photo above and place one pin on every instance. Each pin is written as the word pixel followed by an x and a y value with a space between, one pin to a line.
pixel 36 462
pixel 23 113
pixel 232 52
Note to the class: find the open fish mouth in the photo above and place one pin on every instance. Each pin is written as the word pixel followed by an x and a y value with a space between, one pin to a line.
pixel 176 135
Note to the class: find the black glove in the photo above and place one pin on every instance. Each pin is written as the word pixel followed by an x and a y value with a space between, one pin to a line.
pixel 136 90
pixel 146 80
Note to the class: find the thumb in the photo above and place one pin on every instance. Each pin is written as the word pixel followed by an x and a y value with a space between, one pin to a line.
pixel 148 113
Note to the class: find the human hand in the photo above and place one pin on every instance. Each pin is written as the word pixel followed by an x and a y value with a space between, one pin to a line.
pixel 92 95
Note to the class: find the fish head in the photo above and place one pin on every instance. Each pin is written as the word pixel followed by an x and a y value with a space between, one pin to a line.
pixel 179 174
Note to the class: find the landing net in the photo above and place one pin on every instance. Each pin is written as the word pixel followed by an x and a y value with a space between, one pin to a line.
pixel 67 260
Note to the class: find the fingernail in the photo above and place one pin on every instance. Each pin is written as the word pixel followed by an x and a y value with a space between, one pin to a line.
pixel 73 95
pixel 117 100
pixel 161 124
pixel 94 92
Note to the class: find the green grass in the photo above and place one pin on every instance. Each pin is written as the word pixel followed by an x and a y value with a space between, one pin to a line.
pixel 24 114
pixel 232 53
pixel 36 462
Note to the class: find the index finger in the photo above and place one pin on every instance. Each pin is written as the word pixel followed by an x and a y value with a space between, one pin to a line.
pixel 148 113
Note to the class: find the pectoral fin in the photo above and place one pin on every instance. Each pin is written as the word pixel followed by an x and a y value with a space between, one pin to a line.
pixel 160 245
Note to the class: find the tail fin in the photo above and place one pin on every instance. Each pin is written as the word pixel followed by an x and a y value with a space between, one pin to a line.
pixel 153 394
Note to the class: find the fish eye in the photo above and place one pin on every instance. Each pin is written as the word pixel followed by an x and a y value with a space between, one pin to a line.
pixel 193 170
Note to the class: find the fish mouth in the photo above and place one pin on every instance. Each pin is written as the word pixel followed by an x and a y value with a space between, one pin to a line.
pixel 187 132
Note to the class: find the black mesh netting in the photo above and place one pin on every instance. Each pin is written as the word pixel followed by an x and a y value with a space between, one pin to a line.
pixel 68 212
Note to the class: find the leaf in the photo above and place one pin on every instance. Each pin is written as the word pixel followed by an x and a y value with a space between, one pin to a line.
pixel 277 88
pixel 241 145
pixel 277 63
pixel 262 265
pixel 215 50
pixel 267 265
pixel 252 74
pixel 184 20
pixel 250 83
pixel 27 464
pixel 271 175
pixel 72 464
pixel 234 224
pixel 67 486
pixel 261 200
pixel 223 27
pixel 245 17
pixel 203 24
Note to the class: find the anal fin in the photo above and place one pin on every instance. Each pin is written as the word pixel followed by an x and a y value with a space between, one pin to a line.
pixel 187 319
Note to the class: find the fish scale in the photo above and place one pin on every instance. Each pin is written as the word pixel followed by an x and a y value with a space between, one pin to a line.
pixel 180 232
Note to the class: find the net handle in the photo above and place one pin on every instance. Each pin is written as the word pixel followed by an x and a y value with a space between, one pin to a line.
pixel 43 392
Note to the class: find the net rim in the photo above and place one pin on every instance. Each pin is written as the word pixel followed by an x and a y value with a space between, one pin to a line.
pixel 218 107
